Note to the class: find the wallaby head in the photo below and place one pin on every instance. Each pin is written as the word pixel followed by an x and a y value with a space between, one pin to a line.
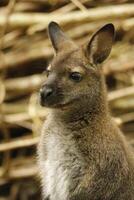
pixel 74 75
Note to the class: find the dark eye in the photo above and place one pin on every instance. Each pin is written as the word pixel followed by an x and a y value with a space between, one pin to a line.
pixel 76 76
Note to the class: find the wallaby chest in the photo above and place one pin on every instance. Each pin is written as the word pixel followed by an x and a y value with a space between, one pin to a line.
pixel 63 165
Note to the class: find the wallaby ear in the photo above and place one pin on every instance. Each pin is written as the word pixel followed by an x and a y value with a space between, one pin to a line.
pixel 100 45
pixel 59 40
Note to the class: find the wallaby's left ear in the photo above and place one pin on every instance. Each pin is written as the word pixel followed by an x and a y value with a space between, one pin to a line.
pixel 59 39
pixel 100 45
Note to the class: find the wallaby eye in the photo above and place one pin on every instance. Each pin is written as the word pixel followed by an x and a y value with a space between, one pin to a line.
pixel 76 76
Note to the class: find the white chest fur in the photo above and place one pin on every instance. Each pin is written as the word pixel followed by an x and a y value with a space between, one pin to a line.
pixel 57 178
pixel 61 162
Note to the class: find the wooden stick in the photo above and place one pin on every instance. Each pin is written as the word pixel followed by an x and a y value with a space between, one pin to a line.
pixel 20 143
pixel 124 92
pixel 110 12
pixel 19 117
pixel 79 5
pixel 11 59
pixel 67 8
pixel 30 83
pixel 123 104
pixel 21 172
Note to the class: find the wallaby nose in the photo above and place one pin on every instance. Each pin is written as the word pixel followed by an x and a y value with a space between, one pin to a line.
pixel 46 92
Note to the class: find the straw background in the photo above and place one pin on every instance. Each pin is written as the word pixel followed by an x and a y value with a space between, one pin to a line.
pixel 25 52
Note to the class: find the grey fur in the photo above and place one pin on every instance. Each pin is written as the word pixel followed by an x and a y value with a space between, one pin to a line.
pixel 82 154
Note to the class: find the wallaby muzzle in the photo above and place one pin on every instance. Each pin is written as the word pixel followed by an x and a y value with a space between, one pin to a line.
pixel 50 96
pixel 47 94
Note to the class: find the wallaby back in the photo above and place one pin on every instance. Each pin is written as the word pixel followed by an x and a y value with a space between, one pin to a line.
pixel 82 154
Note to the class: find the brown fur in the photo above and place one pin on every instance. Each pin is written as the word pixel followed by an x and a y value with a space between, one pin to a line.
pixel 82 153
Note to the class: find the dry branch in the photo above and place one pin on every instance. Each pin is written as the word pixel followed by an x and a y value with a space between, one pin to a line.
pixel 124 92
pixel 110 12
pixel 21 172
pixel 29 84
pixel 24 142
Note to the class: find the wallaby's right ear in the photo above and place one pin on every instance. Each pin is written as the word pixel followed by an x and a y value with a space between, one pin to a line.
pixel 100 45
pixel 59 40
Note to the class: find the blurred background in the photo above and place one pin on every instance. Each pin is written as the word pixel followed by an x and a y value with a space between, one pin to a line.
pixel 25 51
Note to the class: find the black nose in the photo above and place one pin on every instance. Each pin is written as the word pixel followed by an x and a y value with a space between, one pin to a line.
pixel 46 92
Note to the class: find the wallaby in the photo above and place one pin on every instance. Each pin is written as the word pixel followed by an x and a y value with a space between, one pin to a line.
pixel 82 154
